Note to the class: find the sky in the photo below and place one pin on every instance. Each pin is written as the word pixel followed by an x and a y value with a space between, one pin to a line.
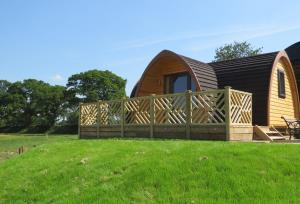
pixel 50 40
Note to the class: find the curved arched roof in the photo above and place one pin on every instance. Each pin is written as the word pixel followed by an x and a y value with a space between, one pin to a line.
pixel 294 54
pixel 294 51
pixel 132 94
pixel 203 74
pixel 248 70
pixel 251 74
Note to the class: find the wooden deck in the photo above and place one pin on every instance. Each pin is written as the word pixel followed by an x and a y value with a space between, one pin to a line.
pixel 211 115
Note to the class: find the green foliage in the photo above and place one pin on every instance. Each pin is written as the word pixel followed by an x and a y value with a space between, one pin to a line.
pixel 95 85
pixel 35 106
pixel 147 171
pixel 4 86
pixel 236 50
pixel 3 95
pixel 32 104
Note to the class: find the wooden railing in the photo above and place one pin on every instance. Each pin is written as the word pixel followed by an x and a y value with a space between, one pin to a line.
pixel 215 107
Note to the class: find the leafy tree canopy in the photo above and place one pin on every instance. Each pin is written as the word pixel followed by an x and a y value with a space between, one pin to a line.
pixel 95 85
pixel 4 85
pixel 32 103
pixel 236 50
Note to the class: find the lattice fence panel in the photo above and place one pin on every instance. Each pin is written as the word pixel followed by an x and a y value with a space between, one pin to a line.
pixel 170 109
pixel 137 111
pixel 88 114
pixel 110 113
pixel 208 107
pixel 241 107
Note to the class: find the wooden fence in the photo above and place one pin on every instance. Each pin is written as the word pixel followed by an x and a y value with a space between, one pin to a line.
pixel 218 114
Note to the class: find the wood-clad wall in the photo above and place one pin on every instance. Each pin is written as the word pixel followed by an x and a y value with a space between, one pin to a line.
pixel 153 81
pixel 287 106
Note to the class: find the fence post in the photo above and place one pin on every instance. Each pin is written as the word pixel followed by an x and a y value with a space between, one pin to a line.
pixel 122 116
pixel 98 118
pixel 79 120
pixel 152 115
pixel 188 122
pixel 228 111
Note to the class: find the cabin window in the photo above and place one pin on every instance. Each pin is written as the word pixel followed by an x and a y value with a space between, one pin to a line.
pixel 281 84
pixel 178 83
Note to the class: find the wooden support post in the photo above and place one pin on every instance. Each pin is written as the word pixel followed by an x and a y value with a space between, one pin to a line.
pixel 227 111
pixel 98 118
pixel 152 115
pixel 188 102
pixel 122 117
pixel 79 120
pixel 21 150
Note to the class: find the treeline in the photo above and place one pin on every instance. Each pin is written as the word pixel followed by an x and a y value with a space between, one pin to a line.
pixel 33 106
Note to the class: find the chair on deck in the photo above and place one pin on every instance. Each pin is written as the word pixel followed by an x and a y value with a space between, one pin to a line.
pixel 293 126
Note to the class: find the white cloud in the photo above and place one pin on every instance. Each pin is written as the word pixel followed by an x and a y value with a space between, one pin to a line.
pixel 57 77
pixel 228 34
pixel 245 35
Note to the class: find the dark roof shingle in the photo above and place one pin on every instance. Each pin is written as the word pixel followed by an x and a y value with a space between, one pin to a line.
pixel 251 74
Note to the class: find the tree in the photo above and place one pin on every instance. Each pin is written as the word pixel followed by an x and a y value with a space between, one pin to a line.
pixel 4 86
pixel 90 86
pixel 94 85
pixel 236 50
pixel 32 104
pixel 37 106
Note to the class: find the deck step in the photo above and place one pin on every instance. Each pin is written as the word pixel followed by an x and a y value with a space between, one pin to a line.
pixel 273 131
pixel 277 138
pixel 267 133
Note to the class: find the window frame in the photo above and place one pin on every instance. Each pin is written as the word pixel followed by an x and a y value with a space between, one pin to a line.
pixel 281 83
pixel 169 88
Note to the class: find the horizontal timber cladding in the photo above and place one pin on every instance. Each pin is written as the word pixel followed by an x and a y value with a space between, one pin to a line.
pixel 241 133
pixel 282 106
pixel 191 115
pixel 213 132
pixel 209 132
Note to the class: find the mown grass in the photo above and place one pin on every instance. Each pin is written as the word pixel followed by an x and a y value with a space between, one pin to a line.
pixel 9 143
pixel 145 171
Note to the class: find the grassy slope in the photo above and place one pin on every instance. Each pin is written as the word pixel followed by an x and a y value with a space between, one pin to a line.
pixel 9 144
pixel 143 171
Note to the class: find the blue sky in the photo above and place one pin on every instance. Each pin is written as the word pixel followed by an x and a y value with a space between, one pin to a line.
pixel 51 40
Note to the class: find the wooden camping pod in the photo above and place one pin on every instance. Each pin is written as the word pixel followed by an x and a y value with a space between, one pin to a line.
pixel 256 74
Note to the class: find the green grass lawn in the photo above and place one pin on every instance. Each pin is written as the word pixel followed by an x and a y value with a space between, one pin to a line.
pixel 67 170
pixel 9 144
